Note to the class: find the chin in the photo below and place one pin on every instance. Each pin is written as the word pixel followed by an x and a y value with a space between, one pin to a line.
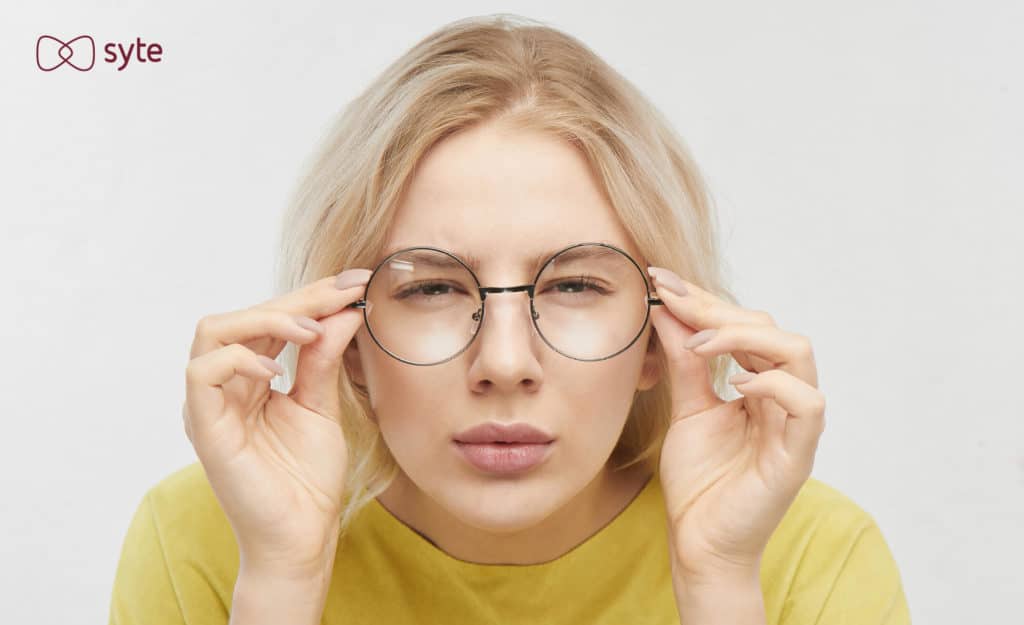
pixel 506 506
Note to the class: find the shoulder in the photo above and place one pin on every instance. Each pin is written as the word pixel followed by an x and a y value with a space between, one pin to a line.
pixel 187 513
pixel 197 537
pixel 186 484
pixel 179 556
pixel 821 525
pixel 828 551
pixel 817 500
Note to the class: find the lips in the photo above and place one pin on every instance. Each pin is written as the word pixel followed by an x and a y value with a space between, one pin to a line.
pixel 500 433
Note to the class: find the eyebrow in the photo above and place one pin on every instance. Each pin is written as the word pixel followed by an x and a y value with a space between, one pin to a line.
pixel 474 262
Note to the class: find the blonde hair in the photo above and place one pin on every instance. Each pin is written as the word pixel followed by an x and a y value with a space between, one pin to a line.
pixel 526 75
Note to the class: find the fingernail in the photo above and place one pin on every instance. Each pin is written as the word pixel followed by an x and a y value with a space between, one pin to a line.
pixel 667 279
pixel 309 324
pixel 352 277
pixel 700 338
pixel 271 364
pixel 742 377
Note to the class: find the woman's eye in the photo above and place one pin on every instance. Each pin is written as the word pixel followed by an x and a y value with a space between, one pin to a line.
pixel 578 286
pixel 426 289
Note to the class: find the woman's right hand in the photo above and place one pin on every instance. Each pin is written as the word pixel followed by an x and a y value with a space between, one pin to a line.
pixel 276 462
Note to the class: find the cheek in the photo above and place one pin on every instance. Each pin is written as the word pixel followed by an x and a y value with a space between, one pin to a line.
pixel 599 396
pixel 603 389
pixel 413 417
pixel 593 427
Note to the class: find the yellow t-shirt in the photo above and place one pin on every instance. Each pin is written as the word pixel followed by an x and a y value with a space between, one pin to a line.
pixel 827 563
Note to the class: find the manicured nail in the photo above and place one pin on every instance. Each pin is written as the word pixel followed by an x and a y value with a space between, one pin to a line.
pixel 352 277
pixel 309 324
pixel 741 378
pixel 700 338
pixel 667 279
pixel 271 364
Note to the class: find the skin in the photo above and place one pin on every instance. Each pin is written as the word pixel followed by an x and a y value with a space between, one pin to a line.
pixel 505 197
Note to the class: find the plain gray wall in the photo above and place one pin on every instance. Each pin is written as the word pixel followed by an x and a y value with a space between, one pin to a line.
pixel 865 158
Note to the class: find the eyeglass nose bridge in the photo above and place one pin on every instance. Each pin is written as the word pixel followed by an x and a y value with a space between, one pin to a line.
pixel 649 298
pixel 484 290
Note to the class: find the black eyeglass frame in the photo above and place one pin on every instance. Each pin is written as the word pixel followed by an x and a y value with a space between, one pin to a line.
pixel 478 316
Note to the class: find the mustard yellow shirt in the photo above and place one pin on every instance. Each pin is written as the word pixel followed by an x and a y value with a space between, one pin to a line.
pixel 827 563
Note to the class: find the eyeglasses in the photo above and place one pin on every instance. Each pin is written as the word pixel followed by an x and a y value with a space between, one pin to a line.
pixel 424 306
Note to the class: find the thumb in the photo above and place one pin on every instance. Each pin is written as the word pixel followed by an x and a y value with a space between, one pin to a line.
pixel 319 365
pixel 689 374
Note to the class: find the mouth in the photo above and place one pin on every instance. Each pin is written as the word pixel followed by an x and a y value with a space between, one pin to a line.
pixel 499 433
pixel 504 458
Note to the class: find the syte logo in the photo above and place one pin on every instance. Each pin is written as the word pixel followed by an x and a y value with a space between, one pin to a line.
pixel 80 53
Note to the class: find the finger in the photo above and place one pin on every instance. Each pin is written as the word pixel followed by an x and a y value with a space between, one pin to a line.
pixel 699 308
pixel 780 349
pixel 800 431
pixel 314 300
pixel 319 366
pixel 205 375
pixel 216 331
pixel 322 297
pixel 689 374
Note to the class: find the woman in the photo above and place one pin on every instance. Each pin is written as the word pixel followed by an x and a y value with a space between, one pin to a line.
pixel 507 407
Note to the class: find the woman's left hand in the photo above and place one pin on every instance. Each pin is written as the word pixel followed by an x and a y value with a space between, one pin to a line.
pixel 730 470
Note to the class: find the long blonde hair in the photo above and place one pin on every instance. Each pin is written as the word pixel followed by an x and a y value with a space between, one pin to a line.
pixel 529 76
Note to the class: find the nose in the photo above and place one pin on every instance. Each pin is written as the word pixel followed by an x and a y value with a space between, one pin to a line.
pixel 505 353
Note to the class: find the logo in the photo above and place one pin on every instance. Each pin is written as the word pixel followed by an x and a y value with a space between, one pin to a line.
pixel 80 53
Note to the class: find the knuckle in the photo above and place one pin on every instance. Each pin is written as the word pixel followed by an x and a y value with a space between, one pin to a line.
pixel 703 312
pixel 283 318
pixel 206 324
pixel 803 346
pixel 764 318
pixel 819 404
pixel 272 315
pixel 237 351
pixel 191 373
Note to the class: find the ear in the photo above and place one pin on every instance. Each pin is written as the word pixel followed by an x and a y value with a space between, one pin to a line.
pixel 651 372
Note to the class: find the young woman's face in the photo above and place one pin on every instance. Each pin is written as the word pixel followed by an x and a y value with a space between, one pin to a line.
pixel 504 198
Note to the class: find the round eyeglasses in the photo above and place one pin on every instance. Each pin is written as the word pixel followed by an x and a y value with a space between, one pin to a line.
pixel 424 305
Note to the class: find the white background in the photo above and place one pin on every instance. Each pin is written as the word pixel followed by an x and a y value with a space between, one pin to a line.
pixel 865 156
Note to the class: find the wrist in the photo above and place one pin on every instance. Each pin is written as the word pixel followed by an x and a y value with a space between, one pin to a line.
pixel 730 603
pixel 280 595
pixel 732 597
pixel 265 569
pixel 310 562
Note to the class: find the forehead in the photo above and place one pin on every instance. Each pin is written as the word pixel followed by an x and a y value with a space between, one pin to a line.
pixel 494 196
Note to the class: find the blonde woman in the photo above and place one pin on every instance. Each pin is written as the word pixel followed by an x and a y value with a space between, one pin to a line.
pixel 506 341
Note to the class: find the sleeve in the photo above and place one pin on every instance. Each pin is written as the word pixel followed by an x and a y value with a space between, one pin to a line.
pixel 143 592
pixel 867 590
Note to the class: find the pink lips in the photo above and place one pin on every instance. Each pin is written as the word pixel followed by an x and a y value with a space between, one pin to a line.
pixel 497 448
pixel 504 457
pixel 493 432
